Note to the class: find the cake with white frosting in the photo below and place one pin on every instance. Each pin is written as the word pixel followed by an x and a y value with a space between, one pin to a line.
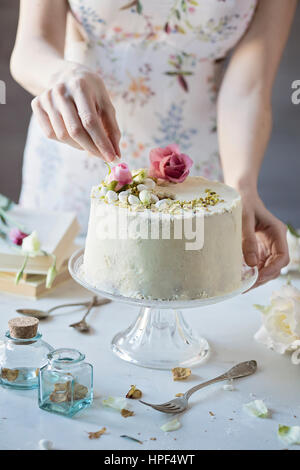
pixel 153 238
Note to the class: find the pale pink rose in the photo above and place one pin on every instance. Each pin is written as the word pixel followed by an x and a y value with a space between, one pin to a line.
pixel 169 164
pixel 17 236
pixel 121 174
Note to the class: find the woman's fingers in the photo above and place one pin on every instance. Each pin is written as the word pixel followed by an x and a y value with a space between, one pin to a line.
pixel 73 123
pixel 43 119
pixel 77 111
pixel 111 127
pixel 264 240
pixel 77 122
pixel 50 120
pixel 92 123
pixel 275 253
pixel 250 249
pixel 278 247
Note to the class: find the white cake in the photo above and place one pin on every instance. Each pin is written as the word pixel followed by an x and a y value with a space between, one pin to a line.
pixel 134 264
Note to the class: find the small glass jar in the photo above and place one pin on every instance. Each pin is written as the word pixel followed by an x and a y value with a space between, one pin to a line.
pixel 22 353
pixel 66 382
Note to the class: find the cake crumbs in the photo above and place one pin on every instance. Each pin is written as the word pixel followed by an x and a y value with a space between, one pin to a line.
pixel 134 393
pixel 126 413
pixel 97 434
pixel 181 373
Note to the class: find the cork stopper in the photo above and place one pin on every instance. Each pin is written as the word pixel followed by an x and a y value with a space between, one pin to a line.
pixel 23 328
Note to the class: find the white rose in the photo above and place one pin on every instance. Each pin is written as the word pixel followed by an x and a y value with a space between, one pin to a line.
pixel 31 244
pixel 280 330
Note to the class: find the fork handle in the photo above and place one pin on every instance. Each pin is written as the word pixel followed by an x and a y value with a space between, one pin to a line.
pixel 204 384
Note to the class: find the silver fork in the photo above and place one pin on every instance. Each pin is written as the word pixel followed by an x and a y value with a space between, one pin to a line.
pixel 178 405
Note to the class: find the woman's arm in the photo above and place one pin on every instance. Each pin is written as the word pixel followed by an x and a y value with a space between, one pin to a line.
pixel 38 54
pixel 71 104
pixel 244 127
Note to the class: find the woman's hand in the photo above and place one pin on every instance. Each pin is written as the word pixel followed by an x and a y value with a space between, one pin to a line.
pixel 264 238
pixel 77 110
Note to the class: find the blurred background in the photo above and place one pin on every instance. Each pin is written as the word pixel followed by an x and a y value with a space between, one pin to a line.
pixel 279 183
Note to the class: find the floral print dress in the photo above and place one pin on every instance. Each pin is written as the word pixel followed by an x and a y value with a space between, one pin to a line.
pixel 161 62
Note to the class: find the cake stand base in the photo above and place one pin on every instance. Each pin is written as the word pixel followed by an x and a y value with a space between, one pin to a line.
pixel 160 339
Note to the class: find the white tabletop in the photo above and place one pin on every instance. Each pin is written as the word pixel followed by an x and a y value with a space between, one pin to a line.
pixel 228 326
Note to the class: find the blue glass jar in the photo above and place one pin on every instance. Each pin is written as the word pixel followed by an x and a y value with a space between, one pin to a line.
pixel 65 382
pixel 22 353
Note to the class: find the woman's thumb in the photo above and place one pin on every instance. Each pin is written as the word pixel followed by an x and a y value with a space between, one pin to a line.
pixel 250 249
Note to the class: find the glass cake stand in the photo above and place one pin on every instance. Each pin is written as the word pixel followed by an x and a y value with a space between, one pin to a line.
pixel 160 337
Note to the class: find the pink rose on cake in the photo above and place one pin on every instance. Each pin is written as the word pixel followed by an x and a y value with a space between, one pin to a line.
pixel 169 164
pixel 121 175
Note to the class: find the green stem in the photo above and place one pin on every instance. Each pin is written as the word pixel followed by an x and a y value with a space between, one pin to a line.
pixel 20 273
pixel 52 272
pixel 11 220
pixel 108 166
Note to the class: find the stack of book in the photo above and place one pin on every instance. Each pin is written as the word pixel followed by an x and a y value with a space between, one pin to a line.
pixel 56 232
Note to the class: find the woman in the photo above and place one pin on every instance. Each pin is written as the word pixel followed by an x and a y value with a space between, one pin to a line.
pixel 120 77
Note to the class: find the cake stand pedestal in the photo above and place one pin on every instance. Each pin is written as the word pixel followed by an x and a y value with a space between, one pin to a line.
pixel 160 337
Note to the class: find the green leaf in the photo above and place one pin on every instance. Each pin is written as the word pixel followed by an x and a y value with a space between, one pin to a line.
pixel 183 5
pixel 293 231
pixel 117 403
pixel 172 425
pixel 257 408
pixel 262 308
pixel 139 7
pixel 5 202
pixel 3 219
pixel 177 13
pixel 112 185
